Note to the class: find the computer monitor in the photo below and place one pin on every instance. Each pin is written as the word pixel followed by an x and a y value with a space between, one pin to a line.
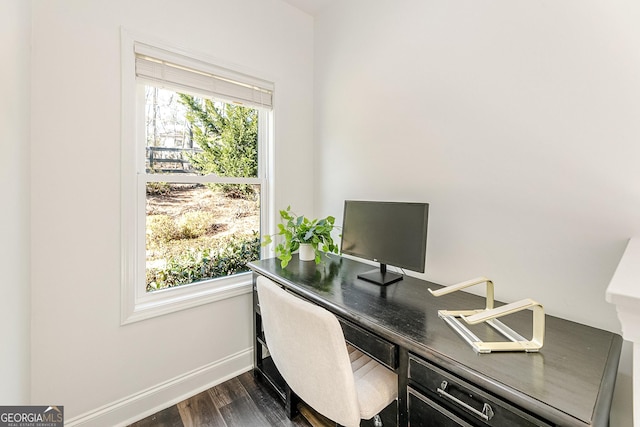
pixel 391 233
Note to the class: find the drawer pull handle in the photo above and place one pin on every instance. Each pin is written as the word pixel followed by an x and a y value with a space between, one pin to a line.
pixel 487 411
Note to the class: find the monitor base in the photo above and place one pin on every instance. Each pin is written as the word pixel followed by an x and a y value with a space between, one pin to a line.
pixel 382 278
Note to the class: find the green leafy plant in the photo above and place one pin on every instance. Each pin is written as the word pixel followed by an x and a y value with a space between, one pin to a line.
pixel 198 264
pixel 227 134
pixel 296 230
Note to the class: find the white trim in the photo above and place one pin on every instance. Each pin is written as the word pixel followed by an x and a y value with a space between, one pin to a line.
pixel 128 192
pixel 180 298
pixel 139 405
pixel 624 292
pixel 265 165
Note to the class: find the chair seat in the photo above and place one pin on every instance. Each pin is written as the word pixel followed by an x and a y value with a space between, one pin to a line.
pixel 376 385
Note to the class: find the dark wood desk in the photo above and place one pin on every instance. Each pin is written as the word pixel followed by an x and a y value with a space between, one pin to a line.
pixel 569 382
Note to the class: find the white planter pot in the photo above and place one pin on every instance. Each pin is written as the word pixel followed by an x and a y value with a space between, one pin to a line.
pixel 306 252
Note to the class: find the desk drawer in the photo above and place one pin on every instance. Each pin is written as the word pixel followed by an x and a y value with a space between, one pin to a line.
pixel 423 412
pixel 381 350
pixel 466 401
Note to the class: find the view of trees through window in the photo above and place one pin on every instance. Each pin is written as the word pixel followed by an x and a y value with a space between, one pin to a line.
pixel 199 227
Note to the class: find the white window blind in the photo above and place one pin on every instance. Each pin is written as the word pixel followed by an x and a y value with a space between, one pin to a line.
pixel 168 69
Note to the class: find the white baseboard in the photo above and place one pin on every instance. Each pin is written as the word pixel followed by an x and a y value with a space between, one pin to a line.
pixel 154 399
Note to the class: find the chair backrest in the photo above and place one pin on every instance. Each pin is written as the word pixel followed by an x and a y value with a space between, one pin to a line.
pixel 307 345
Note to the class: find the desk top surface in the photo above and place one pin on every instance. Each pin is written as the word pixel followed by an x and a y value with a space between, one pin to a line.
pixel 572 377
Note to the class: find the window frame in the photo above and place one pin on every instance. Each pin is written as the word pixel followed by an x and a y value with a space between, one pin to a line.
pixel 136 303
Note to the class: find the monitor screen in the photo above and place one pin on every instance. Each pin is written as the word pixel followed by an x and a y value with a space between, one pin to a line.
pixel 393 233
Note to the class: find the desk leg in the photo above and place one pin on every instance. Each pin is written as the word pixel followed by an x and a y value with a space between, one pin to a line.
pixel 403 379
pixel 257 346
pixel 257 328
pixel 291 403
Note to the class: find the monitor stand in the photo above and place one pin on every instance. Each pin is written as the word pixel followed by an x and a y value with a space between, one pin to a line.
pixel 380 276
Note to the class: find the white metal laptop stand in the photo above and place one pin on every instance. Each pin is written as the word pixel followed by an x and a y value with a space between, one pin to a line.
pixel 490 315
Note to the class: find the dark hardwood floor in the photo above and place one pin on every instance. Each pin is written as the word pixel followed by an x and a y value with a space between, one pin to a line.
pixel 241 401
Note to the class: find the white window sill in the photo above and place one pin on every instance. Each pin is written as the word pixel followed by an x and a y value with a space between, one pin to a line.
pixel 159 303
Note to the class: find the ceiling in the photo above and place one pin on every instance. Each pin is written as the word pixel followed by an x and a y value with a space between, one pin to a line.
pixel 312 7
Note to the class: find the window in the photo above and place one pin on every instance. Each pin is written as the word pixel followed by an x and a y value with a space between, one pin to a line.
pixel 194 179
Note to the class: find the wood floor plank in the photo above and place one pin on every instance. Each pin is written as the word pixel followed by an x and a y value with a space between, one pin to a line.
pixel 244 401
pixel 169 417
pixel 200 411
pixel 236 406
pixel 313 418
pixel 269 402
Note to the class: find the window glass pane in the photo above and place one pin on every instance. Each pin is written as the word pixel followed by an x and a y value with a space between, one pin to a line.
pixel 196 232
pixel 195 135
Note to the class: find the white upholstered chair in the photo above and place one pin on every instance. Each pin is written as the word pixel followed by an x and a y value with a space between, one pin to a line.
pixel 307 345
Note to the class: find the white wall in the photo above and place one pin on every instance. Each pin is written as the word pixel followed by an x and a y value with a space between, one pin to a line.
pixel 517 122
pixel 82 358
pixel 15 33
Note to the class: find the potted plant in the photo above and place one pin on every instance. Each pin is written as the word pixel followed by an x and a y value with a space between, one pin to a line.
pixel 311 237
